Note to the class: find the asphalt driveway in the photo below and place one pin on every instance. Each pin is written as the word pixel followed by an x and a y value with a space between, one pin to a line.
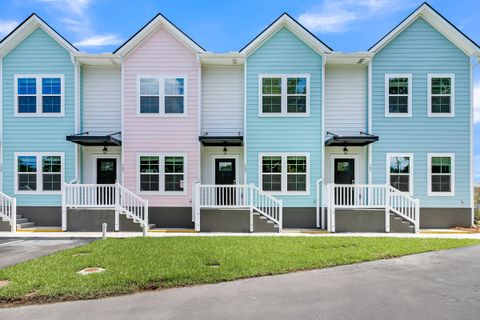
pixel 439 285
pixel 13 251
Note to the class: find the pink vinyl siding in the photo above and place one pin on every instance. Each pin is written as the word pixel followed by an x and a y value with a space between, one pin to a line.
pixel 161 54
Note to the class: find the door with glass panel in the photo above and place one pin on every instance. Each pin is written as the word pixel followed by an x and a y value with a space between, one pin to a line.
pixel 225 175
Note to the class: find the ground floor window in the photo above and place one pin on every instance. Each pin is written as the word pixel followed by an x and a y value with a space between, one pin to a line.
pixel 284 173
pixel 38 172
pixel 400 171
pixel 441 174
pixel 161 173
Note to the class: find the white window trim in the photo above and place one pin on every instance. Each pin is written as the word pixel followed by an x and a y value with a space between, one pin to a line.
pixel 387 95
pixel 429 175
pixel 284 172
pixel 284 95
pixel 452 96
pixel 161 172
pixel 161 84
pixel 39 95
pixel 39 172
pixel 411 175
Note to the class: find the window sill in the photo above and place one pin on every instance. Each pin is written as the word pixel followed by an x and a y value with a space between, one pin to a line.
pixel 39 115
pixel 284 115
pixel 440 115
pixel 38 192
pixel 162 193
pixel 441 194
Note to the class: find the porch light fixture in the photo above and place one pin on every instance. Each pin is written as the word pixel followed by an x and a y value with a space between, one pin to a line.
pixel 345 150
pixel 225 150
pixel 104 150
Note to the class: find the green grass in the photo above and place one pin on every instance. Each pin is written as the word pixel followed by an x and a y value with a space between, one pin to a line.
pixel 136 264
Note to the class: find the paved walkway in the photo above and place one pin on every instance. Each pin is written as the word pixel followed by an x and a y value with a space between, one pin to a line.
pixel 93 235
pixel 439 285
pixel 13 251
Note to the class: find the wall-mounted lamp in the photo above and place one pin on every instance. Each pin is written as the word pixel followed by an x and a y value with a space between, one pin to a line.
pixel 225 150
pixel 345 150
pixel 104 150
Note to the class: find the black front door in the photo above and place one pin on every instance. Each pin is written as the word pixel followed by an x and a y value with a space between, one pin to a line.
pixel 225 175
pixel 106 171
pixel 344 174
pixel 344 171
pixel 106 174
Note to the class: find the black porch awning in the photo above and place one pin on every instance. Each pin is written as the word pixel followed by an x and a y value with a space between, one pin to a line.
pixel 221 141
pixel 84 139
pixel 351 140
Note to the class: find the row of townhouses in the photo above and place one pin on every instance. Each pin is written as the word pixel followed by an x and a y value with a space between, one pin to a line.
pixel 285 133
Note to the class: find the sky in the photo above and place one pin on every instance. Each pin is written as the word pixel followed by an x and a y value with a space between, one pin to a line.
pixel 224 25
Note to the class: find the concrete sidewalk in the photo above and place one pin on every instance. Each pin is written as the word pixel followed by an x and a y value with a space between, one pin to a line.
pixel 96 235
pixel 439 286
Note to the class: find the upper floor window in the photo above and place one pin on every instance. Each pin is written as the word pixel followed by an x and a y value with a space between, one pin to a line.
pixel 400 172
pixel 284 173
pixel 398 95
pixel 163 96
pixel 441 95
pixel 38 172
pixel 39 95
pixel 441 174
pixel 284 95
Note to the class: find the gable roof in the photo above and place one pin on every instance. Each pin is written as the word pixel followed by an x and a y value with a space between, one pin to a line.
pixel 439 22
pixel 149 28
pixel 25 28
pixel 285 20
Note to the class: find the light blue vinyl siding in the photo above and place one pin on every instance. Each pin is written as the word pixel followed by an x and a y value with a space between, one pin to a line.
pixel 284 53
pixel 37 54
pixel 420 49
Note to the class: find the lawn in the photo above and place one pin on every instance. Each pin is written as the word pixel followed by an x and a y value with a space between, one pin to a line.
pixel 137 264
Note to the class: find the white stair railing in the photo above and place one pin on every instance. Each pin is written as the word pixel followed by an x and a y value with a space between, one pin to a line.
pixel 367 196
pixel 104 196
pixel 214 196
pixel 132 205
pixel 8 210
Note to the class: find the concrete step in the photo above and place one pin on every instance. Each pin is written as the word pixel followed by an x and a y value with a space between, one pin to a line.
pixel 21 220
pixel 152 226
pixel 25 225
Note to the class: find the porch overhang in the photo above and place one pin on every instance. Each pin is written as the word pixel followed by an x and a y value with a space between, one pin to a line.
pixel 221 141
pixel 86 140
pixel 360 140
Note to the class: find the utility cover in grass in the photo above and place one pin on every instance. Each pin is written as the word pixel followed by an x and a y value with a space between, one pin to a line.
pixel 88 271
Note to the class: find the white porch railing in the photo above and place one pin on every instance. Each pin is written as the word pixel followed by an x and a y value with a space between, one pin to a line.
pixel 363 196
pixel 104 196
pixel 236 197
pixel 8 210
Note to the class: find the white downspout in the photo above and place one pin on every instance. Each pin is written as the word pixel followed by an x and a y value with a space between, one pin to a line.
pixel 77 115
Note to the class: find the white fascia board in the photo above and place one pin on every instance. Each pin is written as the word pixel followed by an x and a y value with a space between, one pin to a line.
pixel 150 28
pixel 295 28
pixel 436 21
pixel 26 29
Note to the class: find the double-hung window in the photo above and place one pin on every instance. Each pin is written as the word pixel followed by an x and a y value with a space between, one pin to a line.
pixel 38 172
pixel 39 95
pixel 161 96
pixel 398 95
pixel 161 173
pixel 441 95
pixel 441 174
pixel 284 95
pixel 400 171
pixel 284 173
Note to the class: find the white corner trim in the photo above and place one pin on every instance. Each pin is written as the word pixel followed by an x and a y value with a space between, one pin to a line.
pixel 429 175
pixel 387 95
pixel 430 76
